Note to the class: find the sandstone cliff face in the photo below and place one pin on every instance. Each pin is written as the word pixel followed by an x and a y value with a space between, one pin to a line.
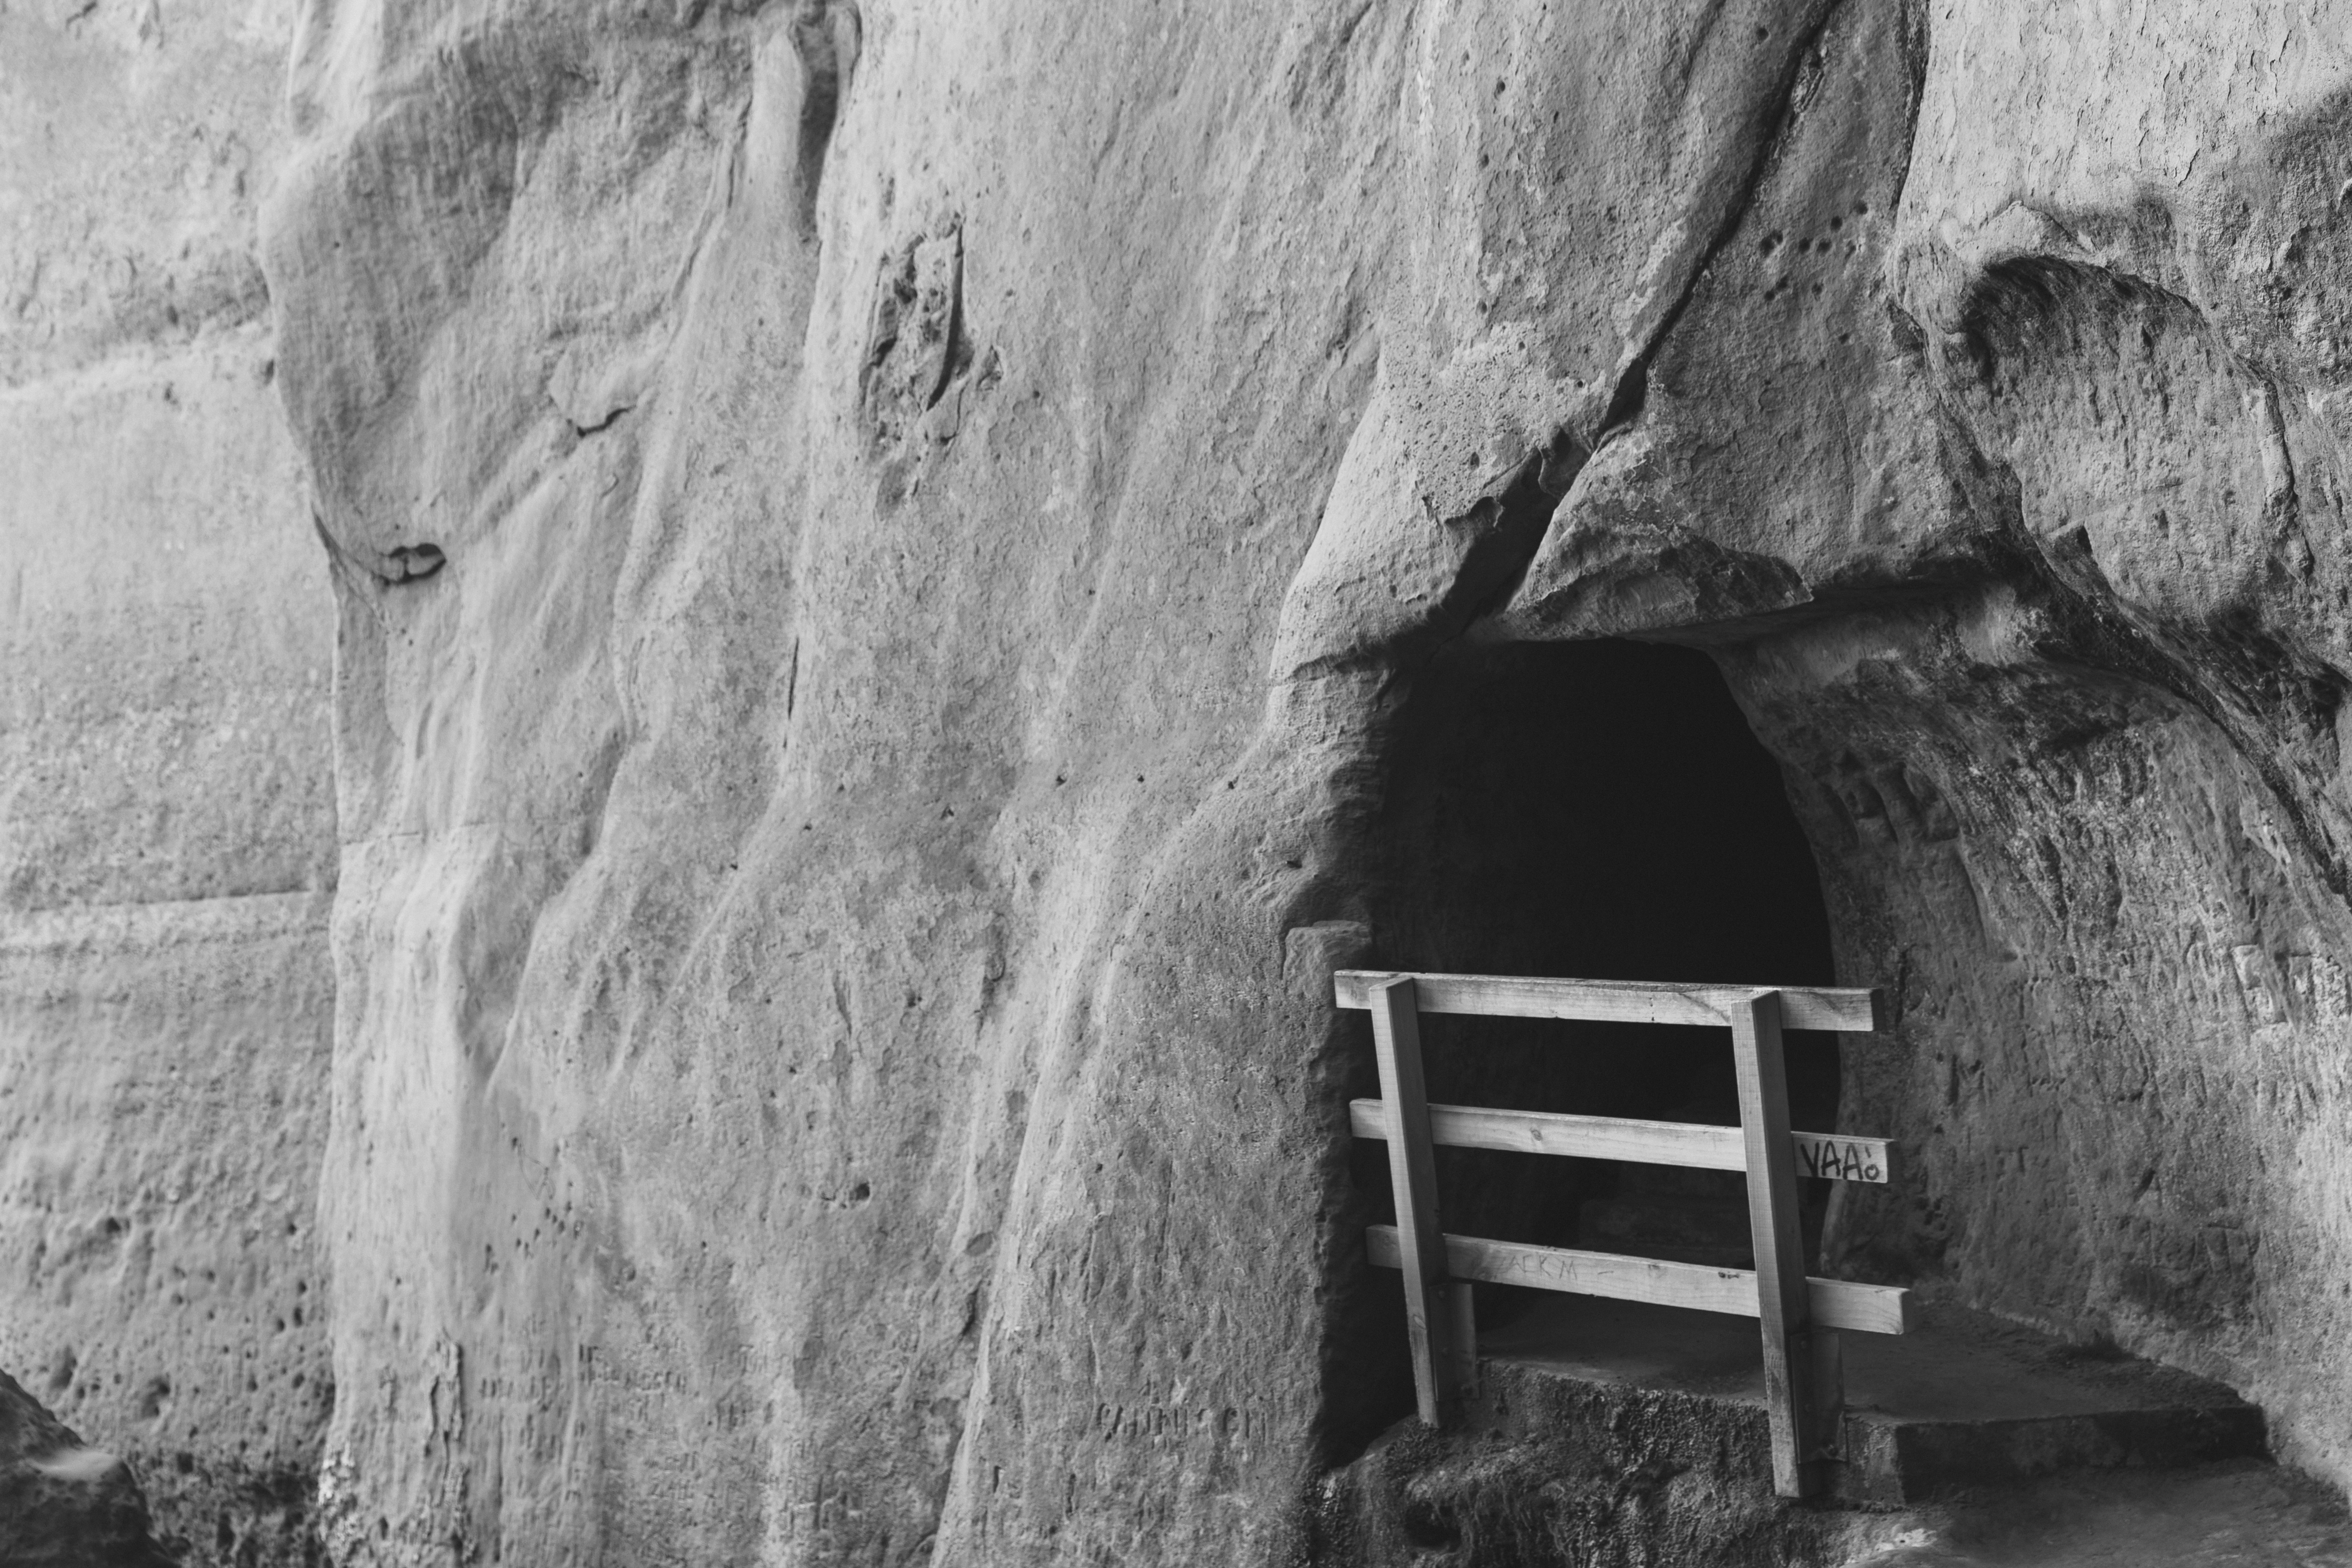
pixel 166 812
pixel 887 558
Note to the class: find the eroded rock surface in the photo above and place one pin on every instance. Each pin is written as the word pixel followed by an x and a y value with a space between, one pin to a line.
pixel 166 804
pixel 884 554
pixel 64 1504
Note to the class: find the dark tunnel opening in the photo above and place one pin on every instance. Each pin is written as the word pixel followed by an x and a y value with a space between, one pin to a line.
pixel 1597 810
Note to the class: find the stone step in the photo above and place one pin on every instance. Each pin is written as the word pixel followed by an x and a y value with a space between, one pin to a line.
pixel 1966 1400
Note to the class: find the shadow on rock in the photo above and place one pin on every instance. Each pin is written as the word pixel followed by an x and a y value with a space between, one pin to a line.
pixel 64 1504
pixel 1493 1500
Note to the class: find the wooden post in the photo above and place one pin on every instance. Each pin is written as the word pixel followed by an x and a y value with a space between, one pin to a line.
pixel 1791 1389
pixel 1413 1177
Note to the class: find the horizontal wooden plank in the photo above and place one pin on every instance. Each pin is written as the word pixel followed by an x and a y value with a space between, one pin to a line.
pixel 1686 1144
pixel 1845 1009
pixel 1836 1303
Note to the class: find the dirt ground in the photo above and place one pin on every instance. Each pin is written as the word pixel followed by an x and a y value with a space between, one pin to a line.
pixel 2245 1515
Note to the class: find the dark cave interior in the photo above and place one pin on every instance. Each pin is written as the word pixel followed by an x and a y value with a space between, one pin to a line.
pixel 1597 810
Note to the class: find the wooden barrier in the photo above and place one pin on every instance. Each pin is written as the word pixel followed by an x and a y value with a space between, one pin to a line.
pixel 1799 1316
pixel 1686 1144
pixel 1835 1303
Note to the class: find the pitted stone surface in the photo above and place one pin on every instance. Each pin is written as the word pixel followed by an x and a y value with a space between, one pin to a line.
pixel 167 844
pixel 884 554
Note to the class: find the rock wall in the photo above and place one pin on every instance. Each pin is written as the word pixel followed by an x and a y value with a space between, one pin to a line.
pixel 166 809
pixel 884 554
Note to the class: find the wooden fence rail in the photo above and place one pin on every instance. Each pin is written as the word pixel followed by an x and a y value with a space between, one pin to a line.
pixel 1685 1143
pixel 1799 1316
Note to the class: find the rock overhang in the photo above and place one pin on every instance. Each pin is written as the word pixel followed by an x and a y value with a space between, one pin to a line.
pixel 710 733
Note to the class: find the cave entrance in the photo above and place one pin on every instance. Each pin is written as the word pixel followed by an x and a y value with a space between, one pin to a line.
pixel 1597 810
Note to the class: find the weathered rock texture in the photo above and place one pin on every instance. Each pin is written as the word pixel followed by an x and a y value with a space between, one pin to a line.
pixel 166 807
pixel 892 559
pixel 64 1504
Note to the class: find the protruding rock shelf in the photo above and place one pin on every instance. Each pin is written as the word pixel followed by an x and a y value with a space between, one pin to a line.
pixel 64 1504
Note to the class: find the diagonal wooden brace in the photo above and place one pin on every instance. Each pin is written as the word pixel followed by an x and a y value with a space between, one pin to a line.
pixel 1800 1363
pixel 1438 1356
